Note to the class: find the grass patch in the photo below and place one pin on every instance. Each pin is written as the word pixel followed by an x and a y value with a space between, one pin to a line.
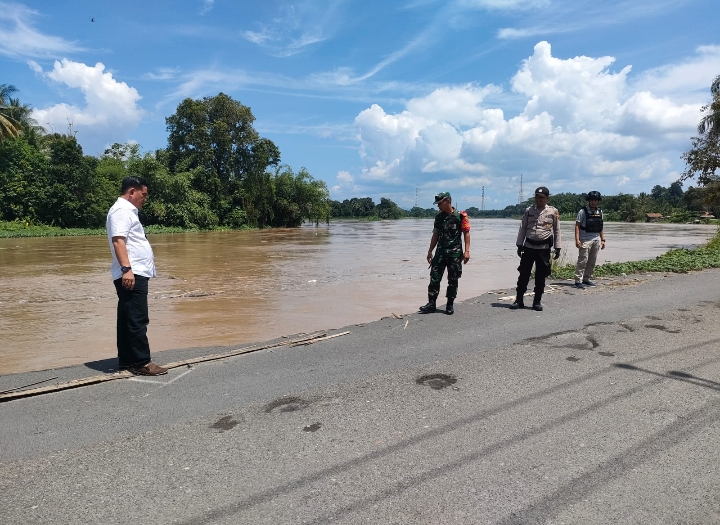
pixel 676 261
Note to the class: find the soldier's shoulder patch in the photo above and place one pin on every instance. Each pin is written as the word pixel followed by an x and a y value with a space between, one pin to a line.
pixel 464 221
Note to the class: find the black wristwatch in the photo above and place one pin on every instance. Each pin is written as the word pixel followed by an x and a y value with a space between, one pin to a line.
pixel 125 269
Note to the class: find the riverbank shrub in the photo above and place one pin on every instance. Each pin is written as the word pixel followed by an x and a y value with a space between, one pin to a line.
pixel 675 261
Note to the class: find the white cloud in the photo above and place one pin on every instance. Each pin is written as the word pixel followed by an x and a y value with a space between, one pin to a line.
pixel 575 17
pixel 207 6
pixel 110 106
pixel 18 37
pixel 345 183
pixel 503 4
pixel 583 120
pixel 511 33
pixel 296 27
pixel 162 73
pixel 345 177
pixel 685 79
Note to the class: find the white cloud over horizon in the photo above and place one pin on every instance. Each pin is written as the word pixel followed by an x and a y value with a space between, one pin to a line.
pixel 382 98
pixel 582 121
pixel 111 107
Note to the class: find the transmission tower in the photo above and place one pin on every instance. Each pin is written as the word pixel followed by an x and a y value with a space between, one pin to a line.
pixel 416 197
pixel 520 193
pixel 482 200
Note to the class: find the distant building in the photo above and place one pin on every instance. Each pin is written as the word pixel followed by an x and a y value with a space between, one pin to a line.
pixel 653 217
pixel 704 216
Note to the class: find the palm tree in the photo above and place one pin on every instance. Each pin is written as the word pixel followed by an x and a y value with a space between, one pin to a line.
pixel 9 127
pixel 15 118
pixel 710 123
pixel 21 114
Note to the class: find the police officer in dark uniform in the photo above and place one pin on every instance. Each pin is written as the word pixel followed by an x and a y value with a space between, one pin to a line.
pixel 450 225
pixel 539 231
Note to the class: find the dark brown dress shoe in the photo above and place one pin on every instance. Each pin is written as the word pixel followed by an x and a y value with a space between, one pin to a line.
pixel 150 369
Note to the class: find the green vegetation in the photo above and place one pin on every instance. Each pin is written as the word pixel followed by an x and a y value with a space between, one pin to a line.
pixel 677 261
pixel 703 158
pixel 216 172
pixel 366 209
pixel 10 229
pixel 673 203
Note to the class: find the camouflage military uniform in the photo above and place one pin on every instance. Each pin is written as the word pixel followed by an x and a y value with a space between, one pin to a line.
pixel 449 252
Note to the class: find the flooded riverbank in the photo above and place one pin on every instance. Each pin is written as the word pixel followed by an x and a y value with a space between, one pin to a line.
pixel 57 301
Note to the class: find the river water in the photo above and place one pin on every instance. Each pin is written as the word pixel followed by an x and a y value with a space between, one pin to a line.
pixel 57 300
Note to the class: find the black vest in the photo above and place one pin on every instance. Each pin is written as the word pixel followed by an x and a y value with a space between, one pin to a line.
pixel 593 221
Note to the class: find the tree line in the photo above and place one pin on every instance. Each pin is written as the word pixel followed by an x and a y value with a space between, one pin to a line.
pixel 216 171
pixel 672 202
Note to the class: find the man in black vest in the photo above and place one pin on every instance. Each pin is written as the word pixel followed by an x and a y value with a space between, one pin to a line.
pixel 589 238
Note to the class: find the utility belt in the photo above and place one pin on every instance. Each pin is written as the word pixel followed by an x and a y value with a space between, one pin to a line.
pixel 532 242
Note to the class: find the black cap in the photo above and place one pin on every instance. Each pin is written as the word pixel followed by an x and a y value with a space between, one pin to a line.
pixel 593 196
pixel 542 190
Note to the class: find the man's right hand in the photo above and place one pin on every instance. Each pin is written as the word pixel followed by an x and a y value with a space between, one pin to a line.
pixel 128 280
pixel 578 244
pixel 519 251
pixel 430 257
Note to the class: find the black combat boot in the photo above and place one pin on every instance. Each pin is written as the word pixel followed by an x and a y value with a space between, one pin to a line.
pixel 518 303
pixel 449 307
pixel 429 307
pixel 537 305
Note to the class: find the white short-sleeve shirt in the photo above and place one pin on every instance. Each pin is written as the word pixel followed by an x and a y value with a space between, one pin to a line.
pixel 123 221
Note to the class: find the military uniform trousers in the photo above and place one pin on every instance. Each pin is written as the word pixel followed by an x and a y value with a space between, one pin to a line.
pixel 454 268
pixel 541 260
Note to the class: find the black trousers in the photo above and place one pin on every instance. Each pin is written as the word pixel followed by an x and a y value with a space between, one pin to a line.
pixel 541 260
pixel 132 321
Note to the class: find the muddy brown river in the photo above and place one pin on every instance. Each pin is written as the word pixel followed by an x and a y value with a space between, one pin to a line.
pixel 57 300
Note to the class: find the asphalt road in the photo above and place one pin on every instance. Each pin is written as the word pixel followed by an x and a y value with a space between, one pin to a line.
pixel 604 408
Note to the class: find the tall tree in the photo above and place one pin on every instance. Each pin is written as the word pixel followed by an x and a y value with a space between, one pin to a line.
pixel 703 158
pixel 215 138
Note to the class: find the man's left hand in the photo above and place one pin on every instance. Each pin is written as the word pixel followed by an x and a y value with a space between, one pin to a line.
pixel 466 257
pixel 557 253
pixel 128 280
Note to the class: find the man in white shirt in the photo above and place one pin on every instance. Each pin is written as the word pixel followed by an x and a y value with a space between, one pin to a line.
pixel 132 267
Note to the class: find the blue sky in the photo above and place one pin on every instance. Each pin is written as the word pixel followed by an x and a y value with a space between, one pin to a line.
pixel 382 98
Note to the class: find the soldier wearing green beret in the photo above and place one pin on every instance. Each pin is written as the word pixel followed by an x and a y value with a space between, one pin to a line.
pixel 450 229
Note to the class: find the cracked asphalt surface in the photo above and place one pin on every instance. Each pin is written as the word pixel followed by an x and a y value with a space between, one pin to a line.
pixel 604 408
